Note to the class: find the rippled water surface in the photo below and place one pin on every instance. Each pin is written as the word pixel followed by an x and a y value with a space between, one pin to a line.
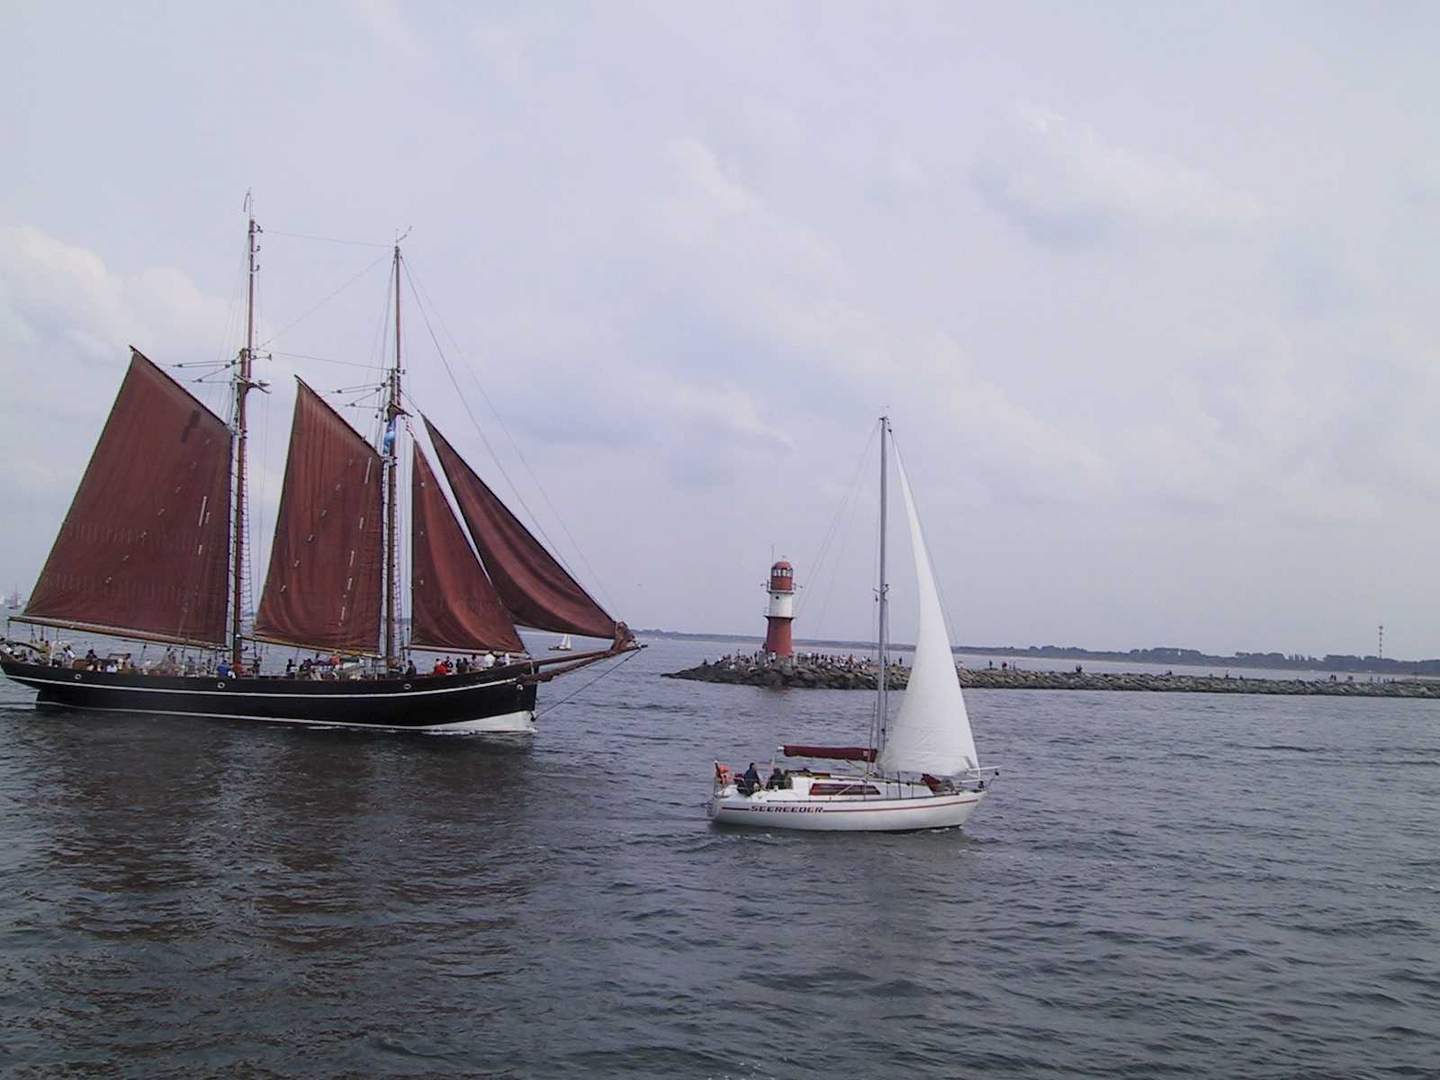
pixel 1161 885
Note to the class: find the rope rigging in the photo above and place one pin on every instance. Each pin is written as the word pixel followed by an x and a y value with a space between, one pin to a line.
pixel 425 307
pixel 579 690
pixel 834 530
pixel 368 397
pixel 296 321
pixel 326 239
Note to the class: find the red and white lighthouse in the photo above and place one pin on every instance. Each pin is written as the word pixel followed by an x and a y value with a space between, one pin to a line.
pixel 782 611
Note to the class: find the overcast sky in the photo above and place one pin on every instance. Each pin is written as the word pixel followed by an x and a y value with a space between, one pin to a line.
pixel 1150 291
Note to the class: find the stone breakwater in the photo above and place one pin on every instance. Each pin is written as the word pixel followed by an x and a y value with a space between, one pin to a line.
pixel 862 676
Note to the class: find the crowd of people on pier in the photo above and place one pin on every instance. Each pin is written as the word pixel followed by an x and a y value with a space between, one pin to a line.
pixel 824 661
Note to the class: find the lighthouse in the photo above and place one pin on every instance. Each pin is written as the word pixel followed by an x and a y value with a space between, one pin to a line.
pixel 782 611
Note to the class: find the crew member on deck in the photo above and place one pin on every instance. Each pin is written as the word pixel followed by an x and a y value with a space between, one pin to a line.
pixel 749 780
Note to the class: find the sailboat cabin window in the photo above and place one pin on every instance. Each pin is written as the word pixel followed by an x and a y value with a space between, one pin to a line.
pixel 844 789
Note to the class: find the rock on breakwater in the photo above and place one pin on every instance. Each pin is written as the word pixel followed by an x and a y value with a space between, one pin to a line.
pixel 827 673
pixel 857 675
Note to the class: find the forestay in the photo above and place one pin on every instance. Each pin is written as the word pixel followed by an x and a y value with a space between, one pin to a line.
pixel 931 733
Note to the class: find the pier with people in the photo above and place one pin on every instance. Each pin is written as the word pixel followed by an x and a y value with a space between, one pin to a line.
pixel 830 671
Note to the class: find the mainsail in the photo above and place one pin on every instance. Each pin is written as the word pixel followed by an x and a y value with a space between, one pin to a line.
pixel 143 551
pixel 931 733
pixel 535 589
pixel 323 589
pixel 453 604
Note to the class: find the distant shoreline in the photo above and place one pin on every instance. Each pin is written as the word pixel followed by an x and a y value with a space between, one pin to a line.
pixel 1335 662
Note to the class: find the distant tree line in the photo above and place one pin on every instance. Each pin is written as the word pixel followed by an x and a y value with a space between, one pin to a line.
pixel 1276 660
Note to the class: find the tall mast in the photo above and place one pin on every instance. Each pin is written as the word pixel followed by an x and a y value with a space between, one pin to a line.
pixel 392 412
pixel 243 384
pixel 884 594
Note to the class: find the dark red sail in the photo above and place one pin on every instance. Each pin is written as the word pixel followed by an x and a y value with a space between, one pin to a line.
pixel 144 551
pixel 453 605
pixel 323 588
pixel 535 588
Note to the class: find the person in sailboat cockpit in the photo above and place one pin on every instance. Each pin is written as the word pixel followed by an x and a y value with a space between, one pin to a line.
pixel 749 780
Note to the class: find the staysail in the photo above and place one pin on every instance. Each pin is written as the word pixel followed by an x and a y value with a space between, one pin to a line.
pixel 144 550
pixel 535 588
pixel 323 588
pixel 453 604
pixel 931 733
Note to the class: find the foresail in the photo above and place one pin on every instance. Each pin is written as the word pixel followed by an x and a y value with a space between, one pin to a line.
pixel 144 550
pixel 323 588
pixel 534 587
pixel 931 733
pixel 453 605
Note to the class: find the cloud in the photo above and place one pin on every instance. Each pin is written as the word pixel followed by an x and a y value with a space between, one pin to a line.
pixel 59 302
pixel 815 345
pixel 719 434
pixel 1065 187
pixel 392 31
pixel 504 51
pixel 1019 452
pixel 707 197
pixel 65 319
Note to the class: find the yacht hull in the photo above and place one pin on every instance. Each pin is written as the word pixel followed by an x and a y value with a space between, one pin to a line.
pixel 476 702
pixel 780 810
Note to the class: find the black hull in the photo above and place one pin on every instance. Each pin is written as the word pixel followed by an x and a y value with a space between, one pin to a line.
pixel 495 701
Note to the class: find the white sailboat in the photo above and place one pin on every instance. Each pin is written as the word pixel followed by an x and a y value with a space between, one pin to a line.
pixel 921 769
pixel 563 645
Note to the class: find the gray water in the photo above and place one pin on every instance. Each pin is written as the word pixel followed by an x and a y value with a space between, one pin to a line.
pixel 1160 885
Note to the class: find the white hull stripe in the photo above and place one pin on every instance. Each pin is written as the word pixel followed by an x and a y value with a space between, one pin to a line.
pixel 515 723
pixel 30 680
pixel 832 808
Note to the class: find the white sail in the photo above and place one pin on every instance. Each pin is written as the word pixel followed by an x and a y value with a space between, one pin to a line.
pixel 931 733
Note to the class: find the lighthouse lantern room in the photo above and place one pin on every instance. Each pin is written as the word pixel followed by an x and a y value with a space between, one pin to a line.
pixel 782 611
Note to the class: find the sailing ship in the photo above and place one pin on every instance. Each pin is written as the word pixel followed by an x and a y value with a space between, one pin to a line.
pixel 563 645
pixel 14 601
pixel 920 770
pixel 153 550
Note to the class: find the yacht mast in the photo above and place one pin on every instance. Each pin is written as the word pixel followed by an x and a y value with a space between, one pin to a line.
pixel 884 595
pixel 392 413
pixel 243 383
